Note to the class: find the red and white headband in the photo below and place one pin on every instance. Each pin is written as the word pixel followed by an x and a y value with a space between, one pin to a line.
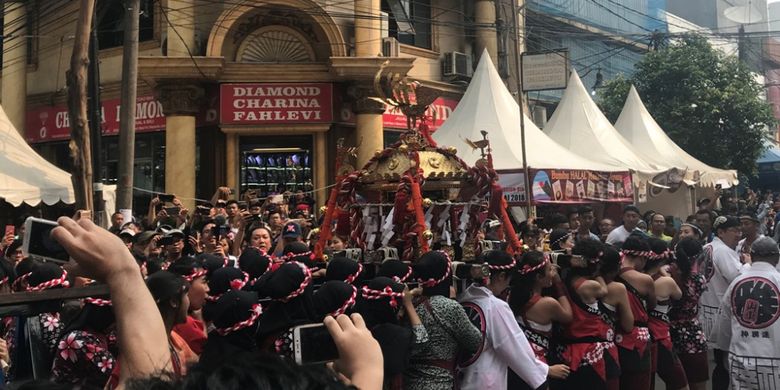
pixel 505 266
pixel 304 283
pixel 98 301
pixel 347 304
pixel 403 279
pixel 256 310
pixel 527 268
pixel 433 282
pixel 235 284
pixel 386 292
pixel 196 273
pixel 635 253
pixel 351 278
pixel 61 281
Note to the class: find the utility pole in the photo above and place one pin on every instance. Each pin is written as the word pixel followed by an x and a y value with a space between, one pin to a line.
pixel 96 127
pixel 501 32
pixel 80 147
pixel 127 111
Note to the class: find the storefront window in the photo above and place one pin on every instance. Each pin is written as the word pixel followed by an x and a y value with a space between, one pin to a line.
pixel 275 165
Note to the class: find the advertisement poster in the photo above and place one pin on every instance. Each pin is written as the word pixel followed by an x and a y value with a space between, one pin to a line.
pixel 578 186
pixel 513 185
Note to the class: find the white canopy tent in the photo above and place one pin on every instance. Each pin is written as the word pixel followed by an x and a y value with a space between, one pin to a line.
pixel 25 176
pixel 580 126
pixel 639 128
pixel 487 105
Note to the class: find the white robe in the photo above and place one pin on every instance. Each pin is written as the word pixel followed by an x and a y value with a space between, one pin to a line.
pixel 724 268
pixel 505 346
pixel 748 327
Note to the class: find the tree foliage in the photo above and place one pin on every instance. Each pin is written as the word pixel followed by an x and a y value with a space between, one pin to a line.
pixel 710 104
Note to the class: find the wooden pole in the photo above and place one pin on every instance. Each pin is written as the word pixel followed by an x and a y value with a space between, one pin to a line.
pixel 80 146
pixel 124 193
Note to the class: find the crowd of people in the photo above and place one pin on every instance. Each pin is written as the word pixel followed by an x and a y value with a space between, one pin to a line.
pixel 209 298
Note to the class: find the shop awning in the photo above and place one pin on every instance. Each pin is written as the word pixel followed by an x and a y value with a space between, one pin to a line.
pixel 641 130
pixel 25 176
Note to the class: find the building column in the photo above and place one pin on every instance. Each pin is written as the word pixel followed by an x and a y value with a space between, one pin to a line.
pixel 485 20
pixel 321 171
pixel 231 160
pixel 369 130
pixel 181 22
pixel 180 101
pixel 14 84
pixel 368 34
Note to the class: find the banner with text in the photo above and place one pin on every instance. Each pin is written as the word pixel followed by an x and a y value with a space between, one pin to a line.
pixel 272 103
pixel 53 123
pixel 393 118
pixel 513 185
pixel 579 186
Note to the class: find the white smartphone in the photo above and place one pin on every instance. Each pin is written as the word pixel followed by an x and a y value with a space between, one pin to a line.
pixel 312 343
pixel 38 242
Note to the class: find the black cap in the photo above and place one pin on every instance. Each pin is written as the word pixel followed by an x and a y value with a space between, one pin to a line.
pixel 725 222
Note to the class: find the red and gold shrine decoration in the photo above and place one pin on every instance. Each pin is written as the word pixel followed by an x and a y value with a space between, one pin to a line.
pixel 276 103
pixel 580 186
pixel 52 123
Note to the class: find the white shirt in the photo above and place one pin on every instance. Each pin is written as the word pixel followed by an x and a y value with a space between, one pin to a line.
pixel 747 326
pixel 618 236
pixel 505 345
pixel 724 268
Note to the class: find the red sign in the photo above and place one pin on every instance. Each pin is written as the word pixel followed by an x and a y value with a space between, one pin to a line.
pixel 439 110
pixel 53 123
pixel 271 103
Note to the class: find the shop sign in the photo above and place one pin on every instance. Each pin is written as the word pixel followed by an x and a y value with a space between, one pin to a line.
pixel 439 111
pixel 577 186
pixel 272 103
pixel 513 185
pixel 53 123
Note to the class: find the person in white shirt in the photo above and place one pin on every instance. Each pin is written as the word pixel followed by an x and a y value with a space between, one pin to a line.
pixel 721 264
pixel 504 343
pixel 747 325
pixel 630 220
pixel 749 224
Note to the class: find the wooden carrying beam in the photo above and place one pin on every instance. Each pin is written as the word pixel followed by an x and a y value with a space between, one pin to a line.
pixel 31 303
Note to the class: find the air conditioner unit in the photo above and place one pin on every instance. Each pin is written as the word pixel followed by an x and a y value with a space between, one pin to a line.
pixel 456 64
pixel 390 47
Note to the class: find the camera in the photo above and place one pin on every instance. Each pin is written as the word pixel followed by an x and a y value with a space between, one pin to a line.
pixel 470 271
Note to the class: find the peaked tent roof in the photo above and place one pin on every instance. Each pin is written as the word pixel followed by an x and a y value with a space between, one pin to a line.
pixel 25 176
pixel 580 126
pixel 639 128
pixel 771 155
pixel 488 105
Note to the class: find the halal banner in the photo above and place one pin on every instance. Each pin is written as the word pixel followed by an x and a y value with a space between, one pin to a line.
pixel 578 186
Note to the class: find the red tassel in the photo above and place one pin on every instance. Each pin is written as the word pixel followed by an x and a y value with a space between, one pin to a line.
pixel 419 215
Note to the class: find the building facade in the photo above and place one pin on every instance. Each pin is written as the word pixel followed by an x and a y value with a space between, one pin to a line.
pixel 252 95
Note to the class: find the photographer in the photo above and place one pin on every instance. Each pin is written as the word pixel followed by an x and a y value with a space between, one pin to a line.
pixel 504 343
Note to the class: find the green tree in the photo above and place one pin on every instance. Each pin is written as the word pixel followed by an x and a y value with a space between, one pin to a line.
pixel 708 103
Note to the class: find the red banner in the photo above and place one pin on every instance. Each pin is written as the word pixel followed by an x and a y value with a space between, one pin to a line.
pixel 439 110
pixel 53 123
pixel 272 103
pixel 580 186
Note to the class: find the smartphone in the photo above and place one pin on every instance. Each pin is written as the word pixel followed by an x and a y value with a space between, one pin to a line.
pixel 166 197
pixel 413 285
pixel 39 243
pixel 203 210
pixel 312 343
pixel 10 230
pixel 173 211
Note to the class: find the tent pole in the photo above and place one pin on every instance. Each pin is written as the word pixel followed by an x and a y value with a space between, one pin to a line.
pixel 521 104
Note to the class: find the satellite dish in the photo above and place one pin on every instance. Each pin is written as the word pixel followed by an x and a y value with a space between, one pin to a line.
pixel 743 14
